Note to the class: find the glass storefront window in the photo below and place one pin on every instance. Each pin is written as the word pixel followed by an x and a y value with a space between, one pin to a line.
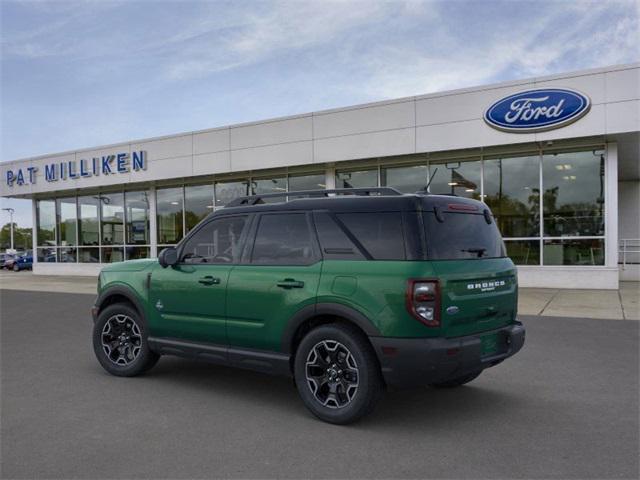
pixel 88 255
pixel 112 254
pixel 67 255
pixel 198 203
pixel 67 221
pixel 228 191
pixel 357 179
pixel 46 218
pixel 574 251
pixel 406 179
pixel 133 253
pixel 88 220
pixel 269 185
pixel 112 218
pixel 523 252
pixel 169 207
pixel 573 198
pixel 512 191
pixel 299 183
pixel 137 218
pixel 456 178
pixel 47 255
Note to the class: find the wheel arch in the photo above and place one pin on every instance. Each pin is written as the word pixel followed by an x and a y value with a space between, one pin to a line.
pixel 119 294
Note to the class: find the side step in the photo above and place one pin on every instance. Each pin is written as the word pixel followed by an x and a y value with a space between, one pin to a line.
pixel 274 363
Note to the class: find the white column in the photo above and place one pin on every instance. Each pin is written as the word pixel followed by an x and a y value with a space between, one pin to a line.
pixel 153 226
pixel 611 205
pixel 34 231
pixel 330 177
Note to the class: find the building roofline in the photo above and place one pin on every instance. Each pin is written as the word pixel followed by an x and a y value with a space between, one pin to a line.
pixel 445 93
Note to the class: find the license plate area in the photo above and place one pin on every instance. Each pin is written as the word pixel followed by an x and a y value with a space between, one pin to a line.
pixel 493 344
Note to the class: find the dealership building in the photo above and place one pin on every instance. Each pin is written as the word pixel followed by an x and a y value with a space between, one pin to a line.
pixel 556 158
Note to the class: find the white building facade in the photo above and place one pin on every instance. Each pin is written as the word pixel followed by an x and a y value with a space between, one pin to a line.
pixel 556 158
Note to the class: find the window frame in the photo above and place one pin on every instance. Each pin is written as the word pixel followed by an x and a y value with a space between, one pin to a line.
pixel 247 254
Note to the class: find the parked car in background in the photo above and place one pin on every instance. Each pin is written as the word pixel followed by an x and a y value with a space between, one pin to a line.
pixel 23 262
pixel 7 260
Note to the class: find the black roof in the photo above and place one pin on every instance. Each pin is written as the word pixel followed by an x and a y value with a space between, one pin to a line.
pixel 388 200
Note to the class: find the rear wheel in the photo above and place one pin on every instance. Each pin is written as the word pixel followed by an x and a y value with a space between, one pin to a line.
pixel 16 268
pixel 458 381
pixel 120 341
pixel 337 374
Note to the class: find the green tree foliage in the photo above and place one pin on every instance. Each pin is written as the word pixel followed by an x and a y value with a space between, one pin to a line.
pixel 21 237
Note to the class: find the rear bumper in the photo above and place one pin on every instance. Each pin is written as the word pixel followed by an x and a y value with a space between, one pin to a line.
pixel 411 362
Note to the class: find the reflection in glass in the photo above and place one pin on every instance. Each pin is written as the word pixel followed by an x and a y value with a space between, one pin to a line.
pixel 406 179
pixel 512 191
pixel 88 220
pixel 67 255
pixel 269 185
pixel 359 179
pixel 456 178
pixel 574 252
pixel 169 206
pixel 47 255
pixel 112 254
pixel 198 203
pixel 133 253
pixel 573 198
pixel 67 212
pixel 112 218
pixel 307 182
pixel 88 255
pixel 227 191
pixel 523 252
pixel 46 218
pixel 137 217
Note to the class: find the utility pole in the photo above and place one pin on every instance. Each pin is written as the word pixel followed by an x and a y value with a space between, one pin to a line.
pixel 11 212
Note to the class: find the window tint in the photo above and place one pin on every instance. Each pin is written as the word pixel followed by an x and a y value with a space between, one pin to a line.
pixel 216 242
pixel 283 239
pixel 379 233
pixel 462 235
pixel 335 244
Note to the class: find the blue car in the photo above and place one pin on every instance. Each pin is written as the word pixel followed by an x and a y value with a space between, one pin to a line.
pixel 23 262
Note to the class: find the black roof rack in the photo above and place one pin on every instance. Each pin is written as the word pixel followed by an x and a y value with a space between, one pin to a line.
pixel 257 199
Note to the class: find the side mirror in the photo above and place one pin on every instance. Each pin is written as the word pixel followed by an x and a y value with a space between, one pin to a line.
pixel 168 257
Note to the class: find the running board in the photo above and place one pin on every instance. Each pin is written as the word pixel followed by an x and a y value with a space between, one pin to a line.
pixel 259 360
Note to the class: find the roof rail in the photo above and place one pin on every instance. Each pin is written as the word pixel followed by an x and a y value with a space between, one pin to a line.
pixel 258 199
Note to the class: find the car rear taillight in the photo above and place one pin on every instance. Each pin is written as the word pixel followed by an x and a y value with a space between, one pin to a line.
pixel 423 301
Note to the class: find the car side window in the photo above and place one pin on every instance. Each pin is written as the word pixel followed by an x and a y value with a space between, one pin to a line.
pixel 216 242
pixel 283 239
pixel 334 242
pixel 381 234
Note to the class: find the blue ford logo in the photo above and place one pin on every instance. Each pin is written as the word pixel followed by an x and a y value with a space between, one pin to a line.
pixel 537 110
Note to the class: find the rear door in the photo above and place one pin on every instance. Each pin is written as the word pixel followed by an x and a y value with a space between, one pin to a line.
pixel 278 276
pixel 478 283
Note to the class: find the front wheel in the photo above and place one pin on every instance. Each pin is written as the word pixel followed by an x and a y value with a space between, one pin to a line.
pixel 120 341
pixel 337 374
pixel 16 268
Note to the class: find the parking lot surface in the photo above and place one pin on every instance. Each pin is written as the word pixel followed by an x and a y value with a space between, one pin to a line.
pixel 565 407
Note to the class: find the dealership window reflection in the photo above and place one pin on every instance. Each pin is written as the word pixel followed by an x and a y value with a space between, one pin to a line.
pixel 112 218
pixel 169 217
pixel 46 222
pixel 198 203
pixel 460 178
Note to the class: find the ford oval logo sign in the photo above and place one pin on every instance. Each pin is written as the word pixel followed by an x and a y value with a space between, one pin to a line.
pixel 537 110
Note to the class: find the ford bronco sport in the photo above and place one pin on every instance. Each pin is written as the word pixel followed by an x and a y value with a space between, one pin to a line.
pixel 347 291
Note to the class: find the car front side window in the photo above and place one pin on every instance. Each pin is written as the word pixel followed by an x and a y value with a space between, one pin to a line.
pixel 217 242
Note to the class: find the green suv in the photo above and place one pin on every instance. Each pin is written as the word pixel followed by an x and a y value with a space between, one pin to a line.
pixel 347 291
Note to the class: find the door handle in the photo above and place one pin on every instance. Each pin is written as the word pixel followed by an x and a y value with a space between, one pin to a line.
pixel 209 280
pixel 290 283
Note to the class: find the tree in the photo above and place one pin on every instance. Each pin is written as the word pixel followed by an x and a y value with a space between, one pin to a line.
pixel 21 237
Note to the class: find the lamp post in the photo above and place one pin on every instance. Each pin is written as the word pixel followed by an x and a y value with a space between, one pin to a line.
pixel 11 212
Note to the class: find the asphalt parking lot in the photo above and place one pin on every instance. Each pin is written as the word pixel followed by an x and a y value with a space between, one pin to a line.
pixel 565 407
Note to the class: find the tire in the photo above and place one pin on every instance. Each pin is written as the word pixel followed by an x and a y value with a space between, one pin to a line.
pixel 347 387
pixel 121 347
pixel 458 381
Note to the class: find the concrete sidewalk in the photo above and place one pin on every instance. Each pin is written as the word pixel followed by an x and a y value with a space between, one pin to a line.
pixel 620 304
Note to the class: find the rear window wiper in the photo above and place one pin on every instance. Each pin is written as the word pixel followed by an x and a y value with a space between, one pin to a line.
pixel 479 251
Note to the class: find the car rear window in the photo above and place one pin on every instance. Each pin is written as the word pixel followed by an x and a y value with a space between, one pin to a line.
pixel 461 235
pixel 381 234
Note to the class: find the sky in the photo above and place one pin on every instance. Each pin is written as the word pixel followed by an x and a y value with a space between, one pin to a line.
pixel 87 73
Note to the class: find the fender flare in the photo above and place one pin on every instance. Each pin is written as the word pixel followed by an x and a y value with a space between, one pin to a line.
pixel 332 309
pixel 119 290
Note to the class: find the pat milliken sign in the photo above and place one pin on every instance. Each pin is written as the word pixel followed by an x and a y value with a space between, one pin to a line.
pixel 105 165
pixel 537 110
